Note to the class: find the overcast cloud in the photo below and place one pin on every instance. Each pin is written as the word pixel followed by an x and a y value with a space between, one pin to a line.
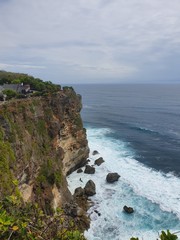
pixel 88 41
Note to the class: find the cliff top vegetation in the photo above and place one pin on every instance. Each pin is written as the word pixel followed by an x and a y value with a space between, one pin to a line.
pixel 36 84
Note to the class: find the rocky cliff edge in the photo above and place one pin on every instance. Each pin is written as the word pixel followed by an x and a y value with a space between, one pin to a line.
pixel 42 139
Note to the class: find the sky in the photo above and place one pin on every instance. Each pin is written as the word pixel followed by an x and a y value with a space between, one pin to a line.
pixel 92 41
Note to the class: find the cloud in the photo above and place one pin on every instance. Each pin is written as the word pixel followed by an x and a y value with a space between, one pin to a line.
pixel 5 66
pixel 96 39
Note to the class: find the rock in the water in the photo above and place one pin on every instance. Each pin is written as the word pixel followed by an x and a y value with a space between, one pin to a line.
pixel 98 213
pixel 95 152
pixel 128 210
pixel 80 180
pixel 79 192
pixel 79 170
pixel 112 177
pixel 99 161
pixel 90 188
pixel 89 169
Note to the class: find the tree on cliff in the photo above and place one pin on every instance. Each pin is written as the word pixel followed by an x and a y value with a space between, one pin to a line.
pixel 36 83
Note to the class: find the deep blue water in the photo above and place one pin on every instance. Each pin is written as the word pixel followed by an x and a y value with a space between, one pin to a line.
pixel 145 116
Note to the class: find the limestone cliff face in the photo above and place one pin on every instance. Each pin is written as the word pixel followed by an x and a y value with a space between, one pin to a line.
pixel 41 141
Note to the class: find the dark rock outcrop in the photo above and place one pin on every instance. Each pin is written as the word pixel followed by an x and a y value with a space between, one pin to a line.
pixel 81 198
pixel 79 192
pixel 128 210
pixel 89 169
pixel 95 152
pixel 98 213
pixel 90 188
pixel 99 161
pixel 112 177
pixel 79 170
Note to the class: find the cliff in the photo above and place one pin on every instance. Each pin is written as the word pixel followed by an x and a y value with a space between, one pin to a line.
pixel 42 139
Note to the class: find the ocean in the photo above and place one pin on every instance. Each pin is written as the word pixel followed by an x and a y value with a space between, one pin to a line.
pixel 136 129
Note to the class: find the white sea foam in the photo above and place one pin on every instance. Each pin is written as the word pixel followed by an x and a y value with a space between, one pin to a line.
pixel 154 195
pixel 87 107
pixel 161 188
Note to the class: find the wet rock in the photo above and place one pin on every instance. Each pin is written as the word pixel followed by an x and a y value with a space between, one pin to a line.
pixel 95 152
pixel 128 210
pixel 79 192
pixel 89 169
pixel 112 177
pixel 99 161
pixel 79 170
pixel 98 213
pixel 90 188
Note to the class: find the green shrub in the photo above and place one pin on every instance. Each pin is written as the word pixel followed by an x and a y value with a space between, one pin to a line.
pixel 19 221
pixel 66 88
pixel 35 83
pixel 41 126
pixel 163 236
pixel 168 236
pixel 7 159
pixel 9 93
pixel 50 172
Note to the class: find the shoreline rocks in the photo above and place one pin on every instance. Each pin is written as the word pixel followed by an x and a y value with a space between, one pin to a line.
pixel 99 161
pixel 128 210
pixel 90 188
pixel 79 170
pixel 112 177
pixel 79 192
pixel 89 169
pixel 81 195
pixel 95 152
